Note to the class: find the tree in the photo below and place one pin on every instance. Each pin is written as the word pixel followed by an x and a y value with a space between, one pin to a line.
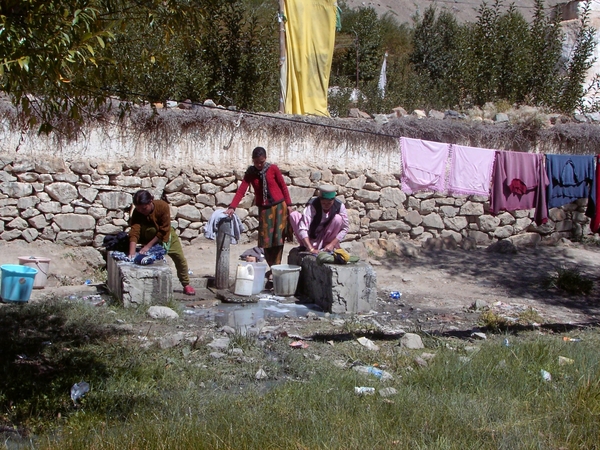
pixel 580 61
pixel 46 46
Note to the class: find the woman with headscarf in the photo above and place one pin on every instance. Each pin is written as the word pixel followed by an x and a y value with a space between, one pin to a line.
pixel 272 198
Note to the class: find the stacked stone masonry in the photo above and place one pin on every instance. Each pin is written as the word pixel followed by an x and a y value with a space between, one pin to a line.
pixel 80 202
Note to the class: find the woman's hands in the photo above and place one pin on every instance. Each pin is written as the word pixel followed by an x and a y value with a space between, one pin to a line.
pixel 229 211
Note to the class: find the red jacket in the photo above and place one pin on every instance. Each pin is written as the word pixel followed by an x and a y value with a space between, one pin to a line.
pixel 276 187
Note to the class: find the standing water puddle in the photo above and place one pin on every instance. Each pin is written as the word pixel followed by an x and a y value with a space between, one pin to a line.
pixel 241 315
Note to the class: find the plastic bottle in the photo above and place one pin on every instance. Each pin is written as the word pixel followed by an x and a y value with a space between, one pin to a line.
pixel 78 390
pixel 364 390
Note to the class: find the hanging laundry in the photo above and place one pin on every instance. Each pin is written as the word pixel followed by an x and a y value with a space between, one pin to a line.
pixel 423 165
pixel 592 208
pixel 211 228
pixel 471 170
pixel 570 178
pixel 520 182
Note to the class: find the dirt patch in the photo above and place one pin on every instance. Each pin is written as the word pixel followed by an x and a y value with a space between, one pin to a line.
pixel 438 288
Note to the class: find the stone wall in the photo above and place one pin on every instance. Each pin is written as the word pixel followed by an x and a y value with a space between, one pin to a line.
pixel 80 202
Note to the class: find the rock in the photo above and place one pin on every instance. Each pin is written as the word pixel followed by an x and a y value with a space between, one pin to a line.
pixel 420 361
pixel 479 305
pixel 505 247
pixel 479 237
pixel 15 189
pixel 411 341
pixel 391 226
pixel 219 344
pixel 88 194
pixel 501 118
pixel 217 355
pixel 301 195
pixel 525 240
pixel 171 341
pixel 471 209
pixel 179 198
pixel 443 243
pixel 75 222
pixel 487 223
pixel 400 111
pixel 433 220
pixel 427 206
pixel 449 211
pixel 367 196
pixel 387 392
pixel 367 343
pixel 115 200
pixel 190 213
pixel 503 232
pixel 162 312
pixel 456 223
pixel 438 115
pixel 75 239
pixel 392 197
pixel 381 119
pixel 479 335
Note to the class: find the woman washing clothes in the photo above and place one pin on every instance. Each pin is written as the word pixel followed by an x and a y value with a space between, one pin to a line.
pixel 151 224
pixel 273 200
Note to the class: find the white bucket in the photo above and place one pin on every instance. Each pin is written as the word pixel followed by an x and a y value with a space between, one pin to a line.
pixel 285 279
pixel 244 280
pixel 41 264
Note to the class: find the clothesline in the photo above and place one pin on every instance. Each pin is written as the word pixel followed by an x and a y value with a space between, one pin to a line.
pixel 512 180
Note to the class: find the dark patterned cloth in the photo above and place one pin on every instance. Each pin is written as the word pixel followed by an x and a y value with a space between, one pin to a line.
pixel 274 228
pixel 156 252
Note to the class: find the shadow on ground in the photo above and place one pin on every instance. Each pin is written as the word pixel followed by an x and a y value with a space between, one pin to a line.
pixel 518 275
pixel 41 356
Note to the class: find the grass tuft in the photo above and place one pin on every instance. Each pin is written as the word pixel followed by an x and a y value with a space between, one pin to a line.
pixel 570 280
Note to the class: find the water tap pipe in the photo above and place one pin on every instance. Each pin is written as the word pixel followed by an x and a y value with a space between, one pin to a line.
pixel 223 244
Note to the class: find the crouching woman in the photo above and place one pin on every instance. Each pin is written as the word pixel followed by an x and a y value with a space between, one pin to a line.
pixel 151 224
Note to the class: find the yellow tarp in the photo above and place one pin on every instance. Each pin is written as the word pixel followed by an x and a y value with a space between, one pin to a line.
pixel 310 37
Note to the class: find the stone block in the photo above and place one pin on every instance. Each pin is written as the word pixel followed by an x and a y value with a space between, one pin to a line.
pixel 339 289
pixel 135 285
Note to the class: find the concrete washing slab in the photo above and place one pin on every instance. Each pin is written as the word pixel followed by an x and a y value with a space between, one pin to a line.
pixel 136 285
pixel 338 289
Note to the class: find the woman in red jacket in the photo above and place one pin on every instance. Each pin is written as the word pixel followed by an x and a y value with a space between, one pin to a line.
pixel 272 198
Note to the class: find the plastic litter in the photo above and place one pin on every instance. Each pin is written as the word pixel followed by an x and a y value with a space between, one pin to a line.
pixel 564 361
pixel 568 339
pixel 395 295
pixel 364 390
pixel 375 371
pixel 78 390
pixel 88 282
pixel 546 375
pixel 506 343
pixel 298 344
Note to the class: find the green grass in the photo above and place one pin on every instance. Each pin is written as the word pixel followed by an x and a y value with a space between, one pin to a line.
pixel 570 280
pixel 181 398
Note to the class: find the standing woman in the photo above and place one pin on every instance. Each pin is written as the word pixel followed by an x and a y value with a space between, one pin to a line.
pixel 272 198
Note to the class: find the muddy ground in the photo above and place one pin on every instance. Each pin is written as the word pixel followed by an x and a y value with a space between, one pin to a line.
pixel 438 288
